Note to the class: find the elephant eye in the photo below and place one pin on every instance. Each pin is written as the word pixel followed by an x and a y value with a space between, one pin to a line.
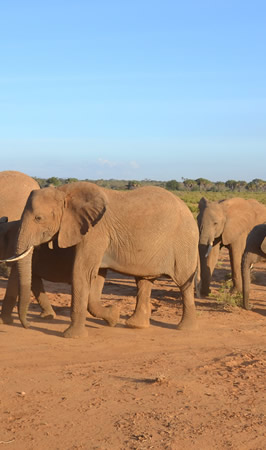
pixel 38 218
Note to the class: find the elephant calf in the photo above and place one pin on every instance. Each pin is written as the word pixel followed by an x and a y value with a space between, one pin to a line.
pixel 255 251
pixel 225 223
pixel 49 264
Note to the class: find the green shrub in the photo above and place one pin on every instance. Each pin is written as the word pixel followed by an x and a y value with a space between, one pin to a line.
pixel 225 297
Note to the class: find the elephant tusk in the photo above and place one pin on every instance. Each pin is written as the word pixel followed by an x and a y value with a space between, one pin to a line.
pixel 209 250
pixel 17 258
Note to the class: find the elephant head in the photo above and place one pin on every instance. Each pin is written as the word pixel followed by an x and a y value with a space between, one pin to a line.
pixel 8 237
pixel 211 221
pixel 66 212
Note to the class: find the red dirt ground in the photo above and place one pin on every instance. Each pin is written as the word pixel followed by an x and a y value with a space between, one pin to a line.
pixel 121 388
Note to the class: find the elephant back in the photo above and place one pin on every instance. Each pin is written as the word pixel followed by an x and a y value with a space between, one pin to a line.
pixel 15 188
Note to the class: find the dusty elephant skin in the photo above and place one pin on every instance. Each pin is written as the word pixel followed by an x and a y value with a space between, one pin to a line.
pixel 255 251
pixel 146 233
pixel 225 223
pixel 15 188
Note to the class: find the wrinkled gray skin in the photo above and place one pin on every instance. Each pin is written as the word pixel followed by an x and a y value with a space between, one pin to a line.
pixel 225 223
pixel 255 251
pixel 147 233
pixel 15 188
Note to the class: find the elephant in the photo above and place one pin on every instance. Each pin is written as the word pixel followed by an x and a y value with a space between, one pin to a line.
pixel 15 188
pixel 255 251
pixel 225 223
pixel 54 264
pixel 146 232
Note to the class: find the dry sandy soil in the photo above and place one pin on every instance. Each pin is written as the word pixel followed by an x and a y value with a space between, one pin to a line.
pixel 120 388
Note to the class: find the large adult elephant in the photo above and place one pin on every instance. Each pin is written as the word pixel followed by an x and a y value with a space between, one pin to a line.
pixel 255 251
pixel 147 232
pixel 225 223
pixel 52 264
pixel 15 188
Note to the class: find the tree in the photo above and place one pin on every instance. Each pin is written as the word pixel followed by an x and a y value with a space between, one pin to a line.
pixel 70 180
pixel 53 181
pixel 230 184
pixel 190 184
pixel 204 184
pixel 172 185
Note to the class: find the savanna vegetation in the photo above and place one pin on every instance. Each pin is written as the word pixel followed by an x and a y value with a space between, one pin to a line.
pixel 188 190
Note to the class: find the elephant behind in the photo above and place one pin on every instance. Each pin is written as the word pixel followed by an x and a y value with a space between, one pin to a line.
pixel 225 223
pixel 15 187
pixel 146 233
pixel 255 251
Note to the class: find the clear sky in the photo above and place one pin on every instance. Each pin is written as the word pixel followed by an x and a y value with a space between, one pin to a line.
pixel 157 89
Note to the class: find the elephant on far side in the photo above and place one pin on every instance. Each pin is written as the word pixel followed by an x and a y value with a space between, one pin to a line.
pixel 225 223
pixel 255 251
pixel 15 187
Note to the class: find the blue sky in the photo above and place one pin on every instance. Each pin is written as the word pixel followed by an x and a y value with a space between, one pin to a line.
pixel 133 89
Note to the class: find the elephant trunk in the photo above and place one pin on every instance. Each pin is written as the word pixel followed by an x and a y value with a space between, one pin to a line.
pixel 25 275
pixel 245 269
pixel 205 272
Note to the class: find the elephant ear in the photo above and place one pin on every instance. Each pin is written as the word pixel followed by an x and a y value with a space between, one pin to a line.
pixel 238 221
pixel 263 245
pixel 84 205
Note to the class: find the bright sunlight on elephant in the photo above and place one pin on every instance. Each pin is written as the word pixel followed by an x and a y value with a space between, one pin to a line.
pixel 255 251
pixel 147 232
pixel 225 223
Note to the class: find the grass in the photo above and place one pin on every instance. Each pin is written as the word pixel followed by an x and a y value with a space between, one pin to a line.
pixel 192 198
pixel 225 297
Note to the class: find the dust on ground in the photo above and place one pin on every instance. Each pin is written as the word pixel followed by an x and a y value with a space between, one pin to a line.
pixel 120 388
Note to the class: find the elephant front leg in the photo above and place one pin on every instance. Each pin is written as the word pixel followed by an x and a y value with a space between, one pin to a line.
pixel 236 251
pixel 41 297
pixel 142 313
pixel 110 313
pixel 10 298
pixel 188 321
pixel 78 312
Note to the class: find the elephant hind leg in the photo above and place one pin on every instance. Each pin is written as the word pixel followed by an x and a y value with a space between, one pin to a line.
pixel 41 297
pixel 188 320
pixel 142 313
pixel 110 313
pixel 10 298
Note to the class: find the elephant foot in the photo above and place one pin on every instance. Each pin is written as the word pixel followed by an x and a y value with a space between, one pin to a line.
pixel 25 324
pixel 247 307
pixel 75 332
pixel 138 321
pixel 235 290
pixel 188 324
pixel 49 315
pixel 6 319
pixel 205 292
pixel 112 315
